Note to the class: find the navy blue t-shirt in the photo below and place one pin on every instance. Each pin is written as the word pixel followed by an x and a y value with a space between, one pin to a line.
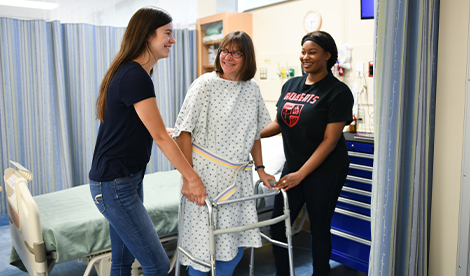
pixel 123 145
pixel 303 111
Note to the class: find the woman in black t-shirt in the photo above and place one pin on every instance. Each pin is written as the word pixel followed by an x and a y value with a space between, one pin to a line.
pixel 311 114
pixel 130 121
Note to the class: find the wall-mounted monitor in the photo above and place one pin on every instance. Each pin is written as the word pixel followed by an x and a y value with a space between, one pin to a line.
pixel 367 9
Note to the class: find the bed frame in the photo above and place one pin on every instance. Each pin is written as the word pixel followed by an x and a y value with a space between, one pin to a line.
pixel 25 225
pixel 27 233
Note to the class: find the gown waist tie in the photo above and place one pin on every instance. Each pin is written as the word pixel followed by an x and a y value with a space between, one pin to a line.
pixel 237 166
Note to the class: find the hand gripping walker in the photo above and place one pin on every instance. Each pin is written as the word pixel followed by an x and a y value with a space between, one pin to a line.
pixel 212 208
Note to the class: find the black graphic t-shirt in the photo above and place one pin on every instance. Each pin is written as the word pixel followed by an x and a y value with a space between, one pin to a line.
pixel 303 111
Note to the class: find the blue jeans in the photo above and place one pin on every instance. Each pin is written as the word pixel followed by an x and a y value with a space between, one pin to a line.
pixel 130 227
pixel 223 268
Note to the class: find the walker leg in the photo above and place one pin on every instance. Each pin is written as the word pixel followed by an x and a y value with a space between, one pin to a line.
pixel 214 273
pixel 252 261
pixel 288 234
pixel 211 237
pixel 178 244
pixel 291 256
pixel 212 249
pixel 177 264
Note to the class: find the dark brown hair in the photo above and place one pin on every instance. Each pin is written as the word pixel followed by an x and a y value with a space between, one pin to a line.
pixel 328 42
pixel 141 27
pixel 245 45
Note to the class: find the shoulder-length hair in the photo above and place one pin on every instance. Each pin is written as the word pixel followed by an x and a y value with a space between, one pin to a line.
pixel 140 29
pixel 244 43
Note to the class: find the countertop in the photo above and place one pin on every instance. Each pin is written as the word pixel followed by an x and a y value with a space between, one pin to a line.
pixel 354 137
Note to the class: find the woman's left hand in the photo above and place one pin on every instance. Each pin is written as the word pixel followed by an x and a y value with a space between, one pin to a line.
pixel 289 181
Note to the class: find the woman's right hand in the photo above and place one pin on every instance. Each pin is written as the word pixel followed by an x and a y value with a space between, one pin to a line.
pixel 194 191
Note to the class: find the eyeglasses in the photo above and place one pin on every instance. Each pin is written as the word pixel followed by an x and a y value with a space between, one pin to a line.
pixel 235 54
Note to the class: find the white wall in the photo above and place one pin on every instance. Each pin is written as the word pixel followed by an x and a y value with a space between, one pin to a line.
pixel 206 8
pixel 277 34
pixel 450 114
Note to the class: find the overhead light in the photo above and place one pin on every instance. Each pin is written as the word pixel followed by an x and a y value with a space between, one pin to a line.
pixel 29 4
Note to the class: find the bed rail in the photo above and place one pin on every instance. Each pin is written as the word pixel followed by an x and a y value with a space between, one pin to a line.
pixel 25 229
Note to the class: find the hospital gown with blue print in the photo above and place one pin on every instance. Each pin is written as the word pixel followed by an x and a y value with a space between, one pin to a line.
pixel 225 117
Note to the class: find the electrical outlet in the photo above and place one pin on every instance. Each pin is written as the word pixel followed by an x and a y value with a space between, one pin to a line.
pixel 359 69
pixel 263 73
pixel 272 73
pixel 360 116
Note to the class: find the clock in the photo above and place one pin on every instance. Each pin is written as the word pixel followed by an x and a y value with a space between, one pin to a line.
pixel 312 21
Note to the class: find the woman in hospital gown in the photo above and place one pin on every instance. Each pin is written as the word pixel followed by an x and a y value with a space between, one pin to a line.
pixel 220 121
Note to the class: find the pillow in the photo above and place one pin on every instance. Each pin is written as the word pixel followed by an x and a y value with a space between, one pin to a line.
pixel 273 154
pixel 273 160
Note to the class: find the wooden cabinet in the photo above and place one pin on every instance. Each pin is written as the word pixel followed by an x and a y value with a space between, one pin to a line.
pixel 227 22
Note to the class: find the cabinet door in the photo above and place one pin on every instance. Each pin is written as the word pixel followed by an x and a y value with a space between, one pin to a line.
pixel 360 147
pixel 354 252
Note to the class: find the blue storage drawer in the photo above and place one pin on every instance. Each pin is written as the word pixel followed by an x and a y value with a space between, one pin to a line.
pixel 350 252
pixel 351 223
pixel 361 160
pixel 357 250
pixel 360 173
pixel 360 147
pixel 359 183
pixel 352 194
pixel 354 206
pixel 349 261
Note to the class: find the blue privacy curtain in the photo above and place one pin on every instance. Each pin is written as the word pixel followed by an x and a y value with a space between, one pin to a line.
pixel 405 93
pixel 50 74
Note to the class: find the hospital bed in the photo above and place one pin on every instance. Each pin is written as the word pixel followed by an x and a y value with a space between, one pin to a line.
pixel 66 225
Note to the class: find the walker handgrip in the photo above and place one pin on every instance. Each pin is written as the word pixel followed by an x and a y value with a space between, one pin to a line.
pixel 272 182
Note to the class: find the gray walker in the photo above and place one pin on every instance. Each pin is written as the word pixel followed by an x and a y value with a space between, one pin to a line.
pixel 212 209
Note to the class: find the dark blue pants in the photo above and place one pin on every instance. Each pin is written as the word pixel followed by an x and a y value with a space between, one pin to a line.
pixel 320 194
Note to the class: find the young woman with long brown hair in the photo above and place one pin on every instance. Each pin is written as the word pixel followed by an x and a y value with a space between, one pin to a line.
pixel 130 120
